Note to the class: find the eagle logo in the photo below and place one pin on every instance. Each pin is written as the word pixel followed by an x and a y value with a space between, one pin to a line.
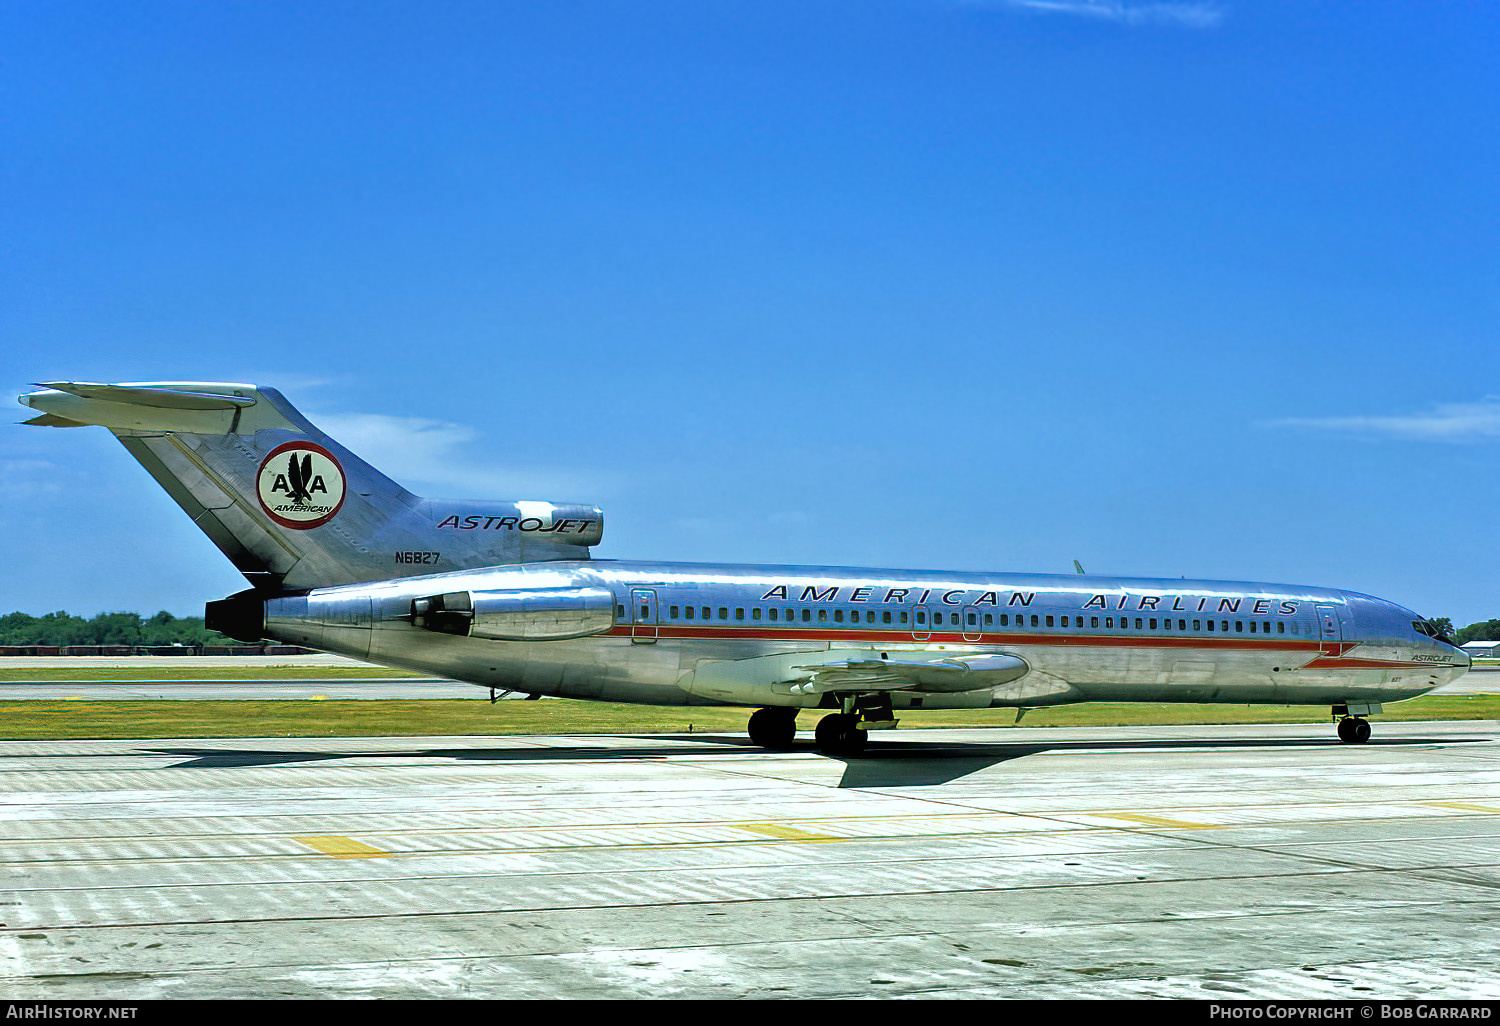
pixel 300 485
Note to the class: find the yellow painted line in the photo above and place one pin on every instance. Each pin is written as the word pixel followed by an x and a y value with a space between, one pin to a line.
pixel 787 833
pixel 1159 821
pixel 1465 807
pixel 342 847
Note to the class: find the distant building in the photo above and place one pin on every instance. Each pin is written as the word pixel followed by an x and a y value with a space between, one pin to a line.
pixel 1482 648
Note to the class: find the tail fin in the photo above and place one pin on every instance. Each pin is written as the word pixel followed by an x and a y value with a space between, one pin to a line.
pixel 291 507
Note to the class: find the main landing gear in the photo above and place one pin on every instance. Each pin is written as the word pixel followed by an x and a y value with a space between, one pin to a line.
pixel 841 733
pixel 775 727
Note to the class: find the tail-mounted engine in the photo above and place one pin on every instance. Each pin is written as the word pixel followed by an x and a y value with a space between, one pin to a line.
pixel 538 614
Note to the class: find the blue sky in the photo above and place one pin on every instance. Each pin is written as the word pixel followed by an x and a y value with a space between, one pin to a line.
pixel 1169 288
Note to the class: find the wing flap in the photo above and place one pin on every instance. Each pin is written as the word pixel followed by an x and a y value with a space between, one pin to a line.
pixel 972 672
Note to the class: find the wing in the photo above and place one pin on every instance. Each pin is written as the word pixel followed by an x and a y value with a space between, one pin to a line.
pixel 957 673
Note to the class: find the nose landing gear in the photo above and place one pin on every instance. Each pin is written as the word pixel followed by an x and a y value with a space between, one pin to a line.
pixel 1354 730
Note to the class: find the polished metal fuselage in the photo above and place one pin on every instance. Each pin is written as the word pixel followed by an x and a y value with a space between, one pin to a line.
pixel 1085 638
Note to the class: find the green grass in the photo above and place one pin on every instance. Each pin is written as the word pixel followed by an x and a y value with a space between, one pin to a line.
pixel 291 672
pixel 79 719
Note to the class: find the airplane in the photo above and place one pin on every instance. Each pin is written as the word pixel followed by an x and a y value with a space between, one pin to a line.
pixel 507 595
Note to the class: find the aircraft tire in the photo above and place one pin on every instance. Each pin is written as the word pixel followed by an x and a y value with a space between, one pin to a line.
pixel 1354 730
pixel 774 727
pixel 837 735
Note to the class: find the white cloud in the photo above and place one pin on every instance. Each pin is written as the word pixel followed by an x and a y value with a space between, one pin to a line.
pixel 452 461
pixel 29 478
pixel 1450 422
pixel 1191 15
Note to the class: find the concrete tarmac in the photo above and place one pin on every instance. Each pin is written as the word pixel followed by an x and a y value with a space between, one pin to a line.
pixel 1255 861
pixel 210 686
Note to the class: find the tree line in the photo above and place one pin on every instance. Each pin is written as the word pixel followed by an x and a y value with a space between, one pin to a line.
pixel 60 628
pixel 165 629
pixel 1487 630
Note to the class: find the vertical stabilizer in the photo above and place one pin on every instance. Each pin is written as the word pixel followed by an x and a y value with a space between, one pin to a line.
pixel 290 506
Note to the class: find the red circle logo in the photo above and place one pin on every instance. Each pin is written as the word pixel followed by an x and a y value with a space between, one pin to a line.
pixel 300 485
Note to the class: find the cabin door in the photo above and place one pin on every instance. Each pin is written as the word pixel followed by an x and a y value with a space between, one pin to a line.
pixel 1329 632
pixel 644 616
pixel 921 627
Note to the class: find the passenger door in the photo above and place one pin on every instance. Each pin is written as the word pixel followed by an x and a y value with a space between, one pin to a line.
pixel 644 616
pixel 1330 633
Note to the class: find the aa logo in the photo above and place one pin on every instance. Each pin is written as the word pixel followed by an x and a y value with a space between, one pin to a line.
pixel 300 485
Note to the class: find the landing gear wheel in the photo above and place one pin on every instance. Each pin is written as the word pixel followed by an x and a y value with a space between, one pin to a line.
pixel 774 727
pixel 837 735
pixel 1354 730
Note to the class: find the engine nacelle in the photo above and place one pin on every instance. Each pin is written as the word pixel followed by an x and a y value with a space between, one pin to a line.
pixel 523 614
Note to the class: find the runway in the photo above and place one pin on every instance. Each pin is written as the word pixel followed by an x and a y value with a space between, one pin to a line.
pixel 1250 861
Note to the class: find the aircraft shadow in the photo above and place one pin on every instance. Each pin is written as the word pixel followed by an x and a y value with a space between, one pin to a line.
pixel 896 763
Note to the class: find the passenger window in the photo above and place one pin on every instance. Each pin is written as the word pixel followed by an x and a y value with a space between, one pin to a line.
pixel 674 612
pixel 806 615
pixel 739 614
pixel 838 616
pixel 1209 622
pixel 1153 623
pixel 645 612
pixel 774 612
pixel 1280 626
pixel 822 616
pixel 904 615
pixel 1065 621
pixel 989 619
pixel 755 613
pixel 1224 624
pixel 885 617
pixel 1239 626
pixel 1138 623
pixel 1109 621
pixel 1093 621
pixel 921 618
pixel 1049 621
pixel 973 619
pixel 1197 625
pixel 689 612
pixel 1004 619
pixel 1182 625
pixel 619 612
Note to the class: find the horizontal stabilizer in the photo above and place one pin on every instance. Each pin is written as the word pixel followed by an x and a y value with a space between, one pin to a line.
pixel 53 420
pixel 161 398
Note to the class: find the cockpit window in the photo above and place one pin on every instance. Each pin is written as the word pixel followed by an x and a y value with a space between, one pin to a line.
pixel 1430 629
